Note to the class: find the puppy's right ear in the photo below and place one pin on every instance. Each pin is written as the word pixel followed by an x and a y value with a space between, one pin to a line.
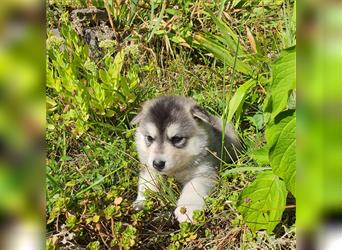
pixel 137 119
pixel 200 114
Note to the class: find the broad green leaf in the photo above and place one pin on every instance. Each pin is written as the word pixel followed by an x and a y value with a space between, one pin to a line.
pixel 115 68
pixel 221 53
pixel 238 99
pixel 260 155
pixel 272 130
pixel 262 203
pixel 283 150
pixel 284 80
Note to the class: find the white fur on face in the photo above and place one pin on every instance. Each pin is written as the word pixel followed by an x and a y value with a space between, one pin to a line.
pixel 196 145
pixel 176 159
pixel 156 153
pixel 141 147
pixel 172 130
pixel 140 138
pixel 151 129
pixel 148 153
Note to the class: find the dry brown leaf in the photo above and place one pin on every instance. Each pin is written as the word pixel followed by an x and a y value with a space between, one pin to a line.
pixel 118 200
pixel 251 40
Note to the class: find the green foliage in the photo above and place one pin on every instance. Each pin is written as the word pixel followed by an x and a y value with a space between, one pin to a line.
pixel 85 88
pixel 184 235
pixel 221 53
pixel 95 245
pixel 281 138
pixel 279 152
pixel 280 149
pixel 235 104
pixel 199 217
pixel 262 203
pixel 127 238
pixel 71 221
pixel 284 81
pixel 224 47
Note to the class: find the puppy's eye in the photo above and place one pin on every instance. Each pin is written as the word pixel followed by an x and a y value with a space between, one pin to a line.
pixel 177 140
pixel 149 138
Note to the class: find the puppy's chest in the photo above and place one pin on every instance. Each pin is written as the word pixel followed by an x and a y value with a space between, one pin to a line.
pixel 206 168
pixel 184 175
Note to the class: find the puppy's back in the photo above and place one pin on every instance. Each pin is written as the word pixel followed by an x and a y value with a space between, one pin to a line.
pixel 232 145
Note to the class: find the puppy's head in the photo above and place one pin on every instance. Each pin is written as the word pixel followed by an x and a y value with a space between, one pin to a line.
pixel 171 133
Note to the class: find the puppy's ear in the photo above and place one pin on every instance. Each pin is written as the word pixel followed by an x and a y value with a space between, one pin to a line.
pixel 137 119
pixel 200 114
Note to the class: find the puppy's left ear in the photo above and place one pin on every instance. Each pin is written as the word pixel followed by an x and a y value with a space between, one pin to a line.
pixel 200 114
pixel 137 119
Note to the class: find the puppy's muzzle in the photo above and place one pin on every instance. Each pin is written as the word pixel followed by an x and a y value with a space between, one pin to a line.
pixel 159 165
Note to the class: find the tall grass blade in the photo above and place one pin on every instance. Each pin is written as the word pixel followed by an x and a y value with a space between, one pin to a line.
pixel 221 53
pixel 98 181
pixel 223 28
pixel 235 104
pixel 156 26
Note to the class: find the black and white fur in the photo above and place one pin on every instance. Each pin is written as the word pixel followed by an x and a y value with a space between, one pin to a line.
pixel 176 137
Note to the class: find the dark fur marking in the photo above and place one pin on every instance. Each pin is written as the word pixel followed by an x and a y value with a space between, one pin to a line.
pixel 165 111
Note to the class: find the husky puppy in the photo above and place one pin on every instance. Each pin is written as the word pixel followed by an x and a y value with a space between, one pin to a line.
pixel 176 137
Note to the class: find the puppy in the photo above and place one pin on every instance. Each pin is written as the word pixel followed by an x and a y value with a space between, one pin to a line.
pixel 176 137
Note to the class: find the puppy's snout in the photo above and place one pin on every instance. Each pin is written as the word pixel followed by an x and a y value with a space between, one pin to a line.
pixel 159 165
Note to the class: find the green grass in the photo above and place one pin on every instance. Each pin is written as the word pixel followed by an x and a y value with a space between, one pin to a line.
pixel 92 166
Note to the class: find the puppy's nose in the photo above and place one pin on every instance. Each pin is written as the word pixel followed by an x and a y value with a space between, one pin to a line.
pixel 159 165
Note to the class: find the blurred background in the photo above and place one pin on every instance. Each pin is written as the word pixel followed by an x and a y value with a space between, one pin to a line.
pixel 22 118
pixel 22 121
pixel 319 133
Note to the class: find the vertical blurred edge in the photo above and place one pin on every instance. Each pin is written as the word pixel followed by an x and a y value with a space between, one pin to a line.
pixel 319 124
pixel 22 121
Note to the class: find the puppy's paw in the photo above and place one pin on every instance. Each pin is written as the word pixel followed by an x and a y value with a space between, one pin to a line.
pixel 138 204
pixel 185 213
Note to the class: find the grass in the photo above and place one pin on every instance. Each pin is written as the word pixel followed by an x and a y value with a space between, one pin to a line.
pixel 92 166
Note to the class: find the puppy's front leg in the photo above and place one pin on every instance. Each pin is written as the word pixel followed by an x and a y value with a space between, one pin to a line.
pixel 192 196
pixel 147 180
